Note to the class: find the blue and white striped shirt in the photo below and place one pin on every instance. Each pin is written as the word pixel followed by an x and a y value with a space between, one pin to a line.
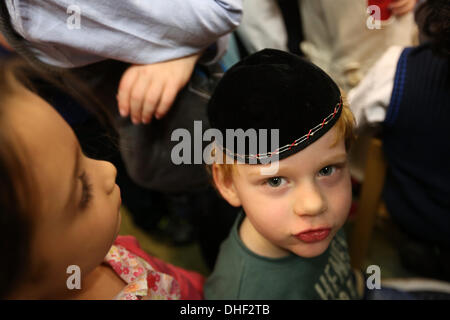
pixel 74 33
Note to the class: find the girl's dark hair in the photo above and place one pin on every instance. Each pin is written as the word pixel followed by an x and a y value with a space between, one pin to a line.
pixel 16 198
pixel 433 17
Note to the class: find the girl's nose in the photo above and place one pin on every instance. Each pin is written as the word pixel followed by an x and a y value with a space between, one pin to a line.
pixel 109 175
pixel 309 201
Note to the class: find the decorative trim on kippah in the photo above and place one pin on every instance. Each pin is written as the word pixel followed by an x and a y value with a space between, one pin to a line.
pixel 288 147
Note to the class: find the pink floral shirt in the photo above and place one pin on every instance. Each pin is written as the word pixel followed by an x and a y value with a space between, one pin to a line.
pixel 141 278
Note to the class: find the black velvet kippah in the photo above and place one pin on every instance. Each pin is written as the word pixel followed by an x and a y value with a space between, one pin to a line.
pixel 273 89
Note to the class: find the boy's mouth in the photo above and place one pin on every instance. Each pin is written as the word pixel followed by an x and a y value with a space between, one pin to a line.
pixel 312 236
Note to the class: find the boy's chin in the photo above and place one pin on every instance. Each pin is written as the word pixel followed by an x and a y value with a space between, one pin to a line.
pixel 311 250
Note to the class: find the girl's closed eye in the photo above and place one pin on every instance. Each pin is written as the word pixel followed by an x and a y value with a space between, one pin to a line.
pixel 86 194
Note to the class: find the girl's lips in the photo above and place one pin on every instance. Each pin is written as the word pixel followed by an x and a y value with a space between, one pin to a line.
pixel 312 236
pixel 120 196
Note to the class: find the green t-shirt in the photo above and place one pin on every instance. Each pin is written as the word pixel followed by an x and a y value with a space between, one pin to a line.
pixel 241 274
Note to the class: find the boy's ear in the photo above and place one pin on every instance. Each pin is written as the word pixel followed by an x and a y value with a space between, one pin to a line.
pixel 225 187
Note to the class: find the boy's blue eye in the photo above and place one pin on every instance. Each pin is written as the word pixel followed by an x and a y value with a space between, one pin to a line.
pixel 327 171
pixel 275 181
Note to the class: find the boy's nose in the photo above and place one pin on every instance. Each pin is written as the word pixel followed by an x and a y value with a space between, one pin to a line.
pixel 309 201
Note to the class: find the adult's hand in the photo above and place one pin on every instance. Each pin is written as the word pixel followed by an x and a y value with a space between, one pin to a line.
pixel 402 7
pixel 150 90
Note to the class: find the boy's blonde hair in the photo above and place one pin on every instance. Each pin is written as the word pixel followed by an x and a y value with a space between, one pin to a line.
pixel 345 130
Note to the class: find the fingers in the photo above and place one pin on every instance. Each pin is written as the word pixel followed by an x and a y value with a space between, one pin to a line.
pixel 152 97
pixel 167 99
pixel 150 90
pixel 125 86
pixel 395 4
pixel 143 96
pixel 137 97
pixel 401 7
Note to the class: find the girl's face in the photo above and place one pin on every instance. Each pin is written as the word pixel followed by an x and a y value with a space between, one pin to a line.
pixel 301 207
pixel 79 217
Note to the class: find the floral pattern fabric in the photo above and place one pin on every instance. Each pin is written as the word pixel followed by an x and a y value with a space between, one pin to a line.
pixel 143 281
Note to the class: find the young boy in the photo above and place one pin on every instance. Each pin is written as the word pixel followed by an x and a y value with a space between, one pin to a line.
pixel 287 243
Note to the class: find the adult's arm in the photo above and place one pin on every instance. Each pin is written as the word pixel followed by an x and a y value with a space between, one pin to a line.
pixel 69 33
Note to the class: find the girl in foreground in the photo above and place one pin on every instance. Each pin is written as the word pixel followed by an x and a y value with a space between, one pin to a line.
pixel 59 208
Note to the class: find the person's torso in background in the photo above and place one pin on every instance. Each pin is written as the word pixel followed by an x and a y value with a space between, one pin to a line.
pixel 416 141
pixel 338 39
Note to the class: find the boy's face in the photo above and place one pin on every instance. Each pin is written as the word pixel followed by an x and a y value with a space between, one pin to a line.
pixel 300 208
